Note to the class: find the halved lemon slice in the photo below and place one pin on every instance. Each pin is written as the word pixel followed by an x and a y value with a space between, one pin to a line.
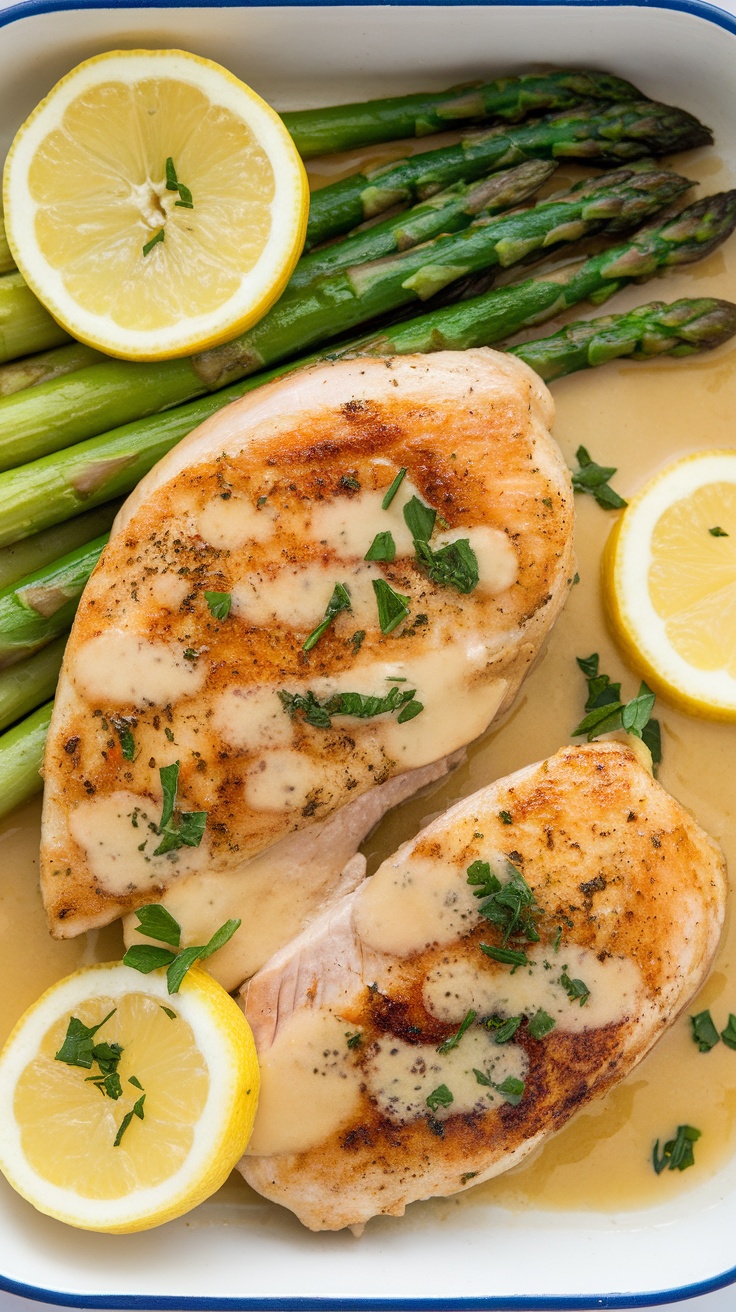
pixel 669 582
pixel 154 203
pixel 122 1107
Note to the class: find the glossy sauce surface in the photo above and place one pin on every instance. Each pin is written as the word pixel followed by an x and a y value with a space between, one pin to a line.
pixel 636 417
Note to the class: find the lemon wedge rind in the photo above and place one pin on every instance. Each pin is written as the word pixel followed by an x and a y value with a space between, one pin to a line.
pixel 193 255
pixel 223 1127
pixel 639 628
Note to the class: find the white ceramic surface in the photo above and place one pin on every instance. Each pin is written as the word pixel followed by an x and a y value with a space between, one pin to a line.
pixel 440 1251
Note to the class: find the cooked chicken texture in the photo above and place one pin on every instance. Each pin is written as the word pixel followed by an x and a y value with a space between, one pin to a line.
pixel 189 643
pixel 574 903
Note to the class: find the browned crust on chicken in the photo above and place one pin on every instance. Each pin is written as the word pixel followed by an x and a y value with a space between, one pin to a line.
pixel 479 453
pixel 615 861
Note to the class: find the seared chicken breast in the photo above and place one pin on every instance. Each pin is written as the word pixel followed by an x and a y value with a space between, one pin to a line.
pixel 511 963
pixel 339 579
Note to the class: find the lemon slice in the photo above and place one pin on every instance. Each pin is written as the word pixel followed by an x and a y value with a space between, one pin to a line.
pixel 669 582
pixel 119 1164
pixel 154 203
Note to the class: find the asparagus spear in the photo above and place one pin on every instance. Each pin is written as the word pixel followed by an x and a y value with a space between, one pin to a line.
pixel 684 327
pixel 21 758
pixel 498 314
pixel 25 686
pixel 346 127
pixel 608 135
pixel 51 544
pixel 7 263
pixel 91 400
pixel 42 605
pixel 25 326
pixel 34 369
pixel 611 204
pixel 48 491
pixel 448 211
pixel 56 414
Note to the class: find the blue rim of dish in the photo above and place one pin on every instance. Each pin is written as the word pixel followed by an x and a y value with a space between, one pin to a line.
pixel 152 1303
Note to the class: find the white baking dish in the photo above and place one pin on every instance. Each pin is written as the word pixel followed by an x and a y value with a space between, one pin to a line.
pixel 237 1252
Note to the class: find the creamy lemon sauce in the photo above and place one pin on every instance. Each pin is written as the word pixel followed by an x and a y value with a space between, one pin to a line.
pixel 637 417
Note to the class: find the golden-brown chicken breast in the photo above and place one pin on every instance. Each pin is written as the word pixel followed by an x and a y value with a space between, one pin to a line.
pixel 508 965
pixel 417 506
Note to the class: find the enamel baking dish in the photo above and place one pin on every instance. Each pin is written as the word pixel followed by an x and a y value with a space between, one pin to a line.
pixel 235 1251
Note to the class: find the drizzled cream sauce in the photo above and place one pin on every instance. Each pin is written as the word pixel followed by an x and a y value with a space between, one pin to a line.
pixel 637 417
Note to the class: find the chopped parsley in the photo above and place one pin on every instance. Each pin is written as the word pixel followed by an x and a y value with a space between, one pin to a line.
pixel 351 482
pixel 393 607
pixel 339 601
pixel 452 566
pixel 187 829
pixel 592 478
pixel 382 547
pixel 219 604
pixel 718 532
pixel 354 1040
pixel 729 1034
pixel 173 184
pixel 704 1032
pixel 419 519
pixel 510 906
pixel 677 1153
pixel 439 1097
pixel 364 706
pixel 540 1024
pixel 505 817
pixel 393 489
pixel 453 1041
pixel 607 712
pixel 136 1111
pixel 155 239
pixel 357 640
pixel 507 956
pixel 156 922
pixel 122 726
pixel 512 1089
pixel 505 1029
pixel 78 1048
pixel 576 990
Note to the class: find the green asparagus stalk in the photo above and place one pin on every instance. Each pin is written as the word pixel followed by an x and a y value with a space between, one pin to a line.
pixel 21 758
pixel 25 686
pixel 55 414
pixel 34 369
pixel 45 548
pixel 25 326
pixel 610 204
pixel 7 263
pixel 55 488
pixel 347 127
pixel 684 327
pixel 498 314
pixel 448 211
pixel 91 400
pixel 609 135
pixel 42 605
